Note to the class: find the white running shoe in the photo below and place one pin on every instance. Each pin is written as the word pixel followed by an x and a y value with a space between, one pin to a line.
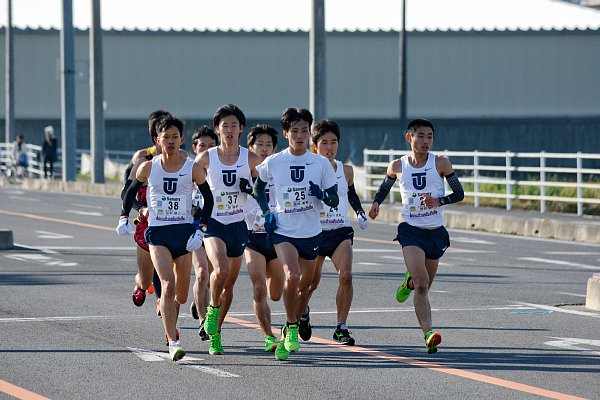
pixel 175 351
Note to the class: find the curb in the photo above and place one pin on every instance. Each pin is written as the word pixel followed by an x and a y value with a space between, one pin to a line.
pixel 6 239
pixel 592 299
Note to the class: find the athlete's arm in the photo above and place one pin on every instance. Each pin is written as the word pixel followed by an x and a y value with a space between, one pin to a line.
pixel 129 198
pixel 260 195
pixel 199 177
pixel 353 198
pixel 330 196
pixel 444 167
pixel 393 171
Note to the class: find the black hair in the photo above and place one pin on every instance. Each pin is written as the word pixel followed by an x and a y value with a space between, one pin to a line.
pixel 322 127
pixel 292 115
pixel 227 110
pixel 168 121
pixel 263 129
pixel 419 123
pixel 205 131
pixel 153 119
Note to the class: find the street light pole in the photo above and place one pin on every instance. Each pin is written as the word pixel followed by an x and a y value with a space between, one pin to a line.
pixel 9 80
pixel 402 68
pixel 317 61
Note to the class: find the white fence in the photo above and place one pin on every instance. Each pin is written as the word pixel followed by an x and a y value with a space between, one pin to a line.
pixel 36 169
pixel 508 169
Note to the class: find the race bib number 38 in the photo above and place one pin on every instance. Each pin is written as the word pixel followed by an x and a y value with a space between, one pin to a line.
pixel 171 208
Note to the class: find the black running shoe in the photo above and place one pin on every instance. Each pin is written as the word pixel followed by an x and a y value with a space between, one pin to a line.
pixel 304 327
pixel 343 336
pixel 194 310
pixel 202 333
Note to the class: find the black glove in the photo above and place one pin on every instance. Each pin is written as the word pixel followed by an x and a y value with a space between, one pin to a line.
pixel 245 186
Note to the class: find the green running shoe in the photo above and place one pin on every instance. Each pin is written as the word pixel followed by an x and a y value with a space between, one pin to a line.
pixel 211 323
pixel 432 340
pixel 403 292
pixel 291 337
pixel 270 344
pixel 280 352
pixel 216 347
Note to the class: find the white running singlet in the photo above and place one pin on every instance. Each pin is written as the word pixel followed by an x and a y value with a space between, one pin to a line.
pixel 414 184
pixel 337 217
pixel 170 194
pixel 297 213
pixel 224 182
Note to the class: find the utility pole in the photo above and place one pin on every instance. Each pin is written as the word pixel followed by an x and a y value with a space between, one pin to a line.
pixel 96 96
pixel 9 89
pixel 402 70
pixel 67 95
pixel 317 81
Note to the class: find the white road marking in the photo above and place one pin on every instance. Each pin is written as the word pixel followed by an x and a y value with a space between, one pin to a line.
pixel 86 213
pixel 562 310
pixel 464 239
pixel 191 362
pixel 20 198
pixel 355 250
pixel 572 294
pixel 41 259
pixel 398 257
pixel 52 235
pixel 369 263
pixel 575 344
pixel 574 253
pixel 559 262
pixel 251 313
pixel 520 238
pixel 88 206
pixel 51 248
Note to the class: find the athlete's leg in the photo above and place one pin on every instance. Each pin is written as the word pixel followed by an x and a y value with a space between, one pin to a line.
pixel 143 278
pixel 317 276
pixel 200 263
pixel 307 272
pixel 414 258
pixel 275 279
pixel 342 260
pixel 227 294
pixel 216 252
pixel 163 262
pixel 183 273
pixel 256 263
pixel 288 255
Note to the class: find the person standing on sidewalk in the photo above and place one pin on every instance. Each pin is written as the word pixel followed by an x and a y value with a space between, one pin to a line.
pixel 422 234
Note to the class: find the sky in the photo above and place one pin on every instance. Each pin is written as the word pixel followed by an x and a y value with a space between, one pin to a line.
pixel 295 14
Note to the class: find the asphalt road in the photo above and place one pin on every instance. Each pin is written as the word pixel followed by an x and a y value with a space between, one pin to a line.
pixel 509 310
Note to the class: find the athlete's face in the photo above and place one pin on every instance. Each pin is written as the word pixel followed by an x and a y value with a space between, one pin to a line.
pixel 170 140
pixel 327 146
pixel 421 140
pixel 263 146
pixel 202 144
pixel 298 136
pixel 229 130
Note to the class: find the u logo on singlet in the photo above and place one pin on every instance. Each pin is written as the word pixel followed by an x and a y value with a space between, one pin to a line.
pixel 229 177
pixel 297 173
pixel 419 180
pixel 170 185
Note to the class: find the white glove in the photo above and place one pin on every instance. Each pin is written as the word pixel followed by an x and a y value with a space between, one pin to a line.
pixel 123 228
pixel 363 222
pixel 195 241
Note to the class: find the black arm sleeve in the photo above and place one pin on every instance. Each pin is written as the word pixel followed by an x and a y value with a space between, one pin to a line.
pixel 260 195
pixel 384 189
pixel 331 197
pixel 458 193
pixel 209 202
pixel 125 187
pixel 129 198
pixel 354 201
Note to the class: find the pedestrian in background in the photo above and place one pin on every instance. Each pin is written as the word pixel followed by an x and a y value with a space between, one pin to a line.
pixel 49 152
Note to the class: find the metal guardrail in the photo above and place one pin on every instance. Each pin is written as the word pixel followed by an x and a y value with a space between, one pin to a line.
pixel 502 168
pixel 36 168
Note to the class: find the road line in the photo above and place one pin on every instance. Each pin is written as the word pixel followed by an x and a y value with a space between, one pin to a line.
pixel 59 220
pixel 559 262
pixel 18 392
pixel 429 365
pixel 562 310
pixel 572 294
